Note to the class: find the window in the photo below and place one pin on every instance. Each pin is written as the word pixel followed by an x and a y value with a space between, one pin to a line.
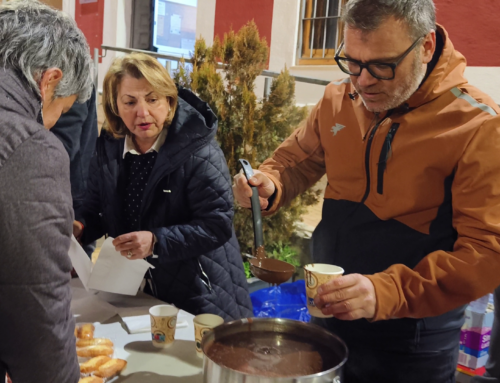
pixel 174 29
pixel 321 31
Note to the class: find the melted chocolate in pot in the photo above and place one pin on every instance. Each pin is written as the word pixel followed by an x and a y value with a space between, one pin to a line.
pixel 272 355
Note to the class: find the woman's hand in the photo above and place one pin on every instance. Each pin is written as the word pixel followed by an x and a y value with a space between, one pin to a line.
pixel 135 245
pixel 77 230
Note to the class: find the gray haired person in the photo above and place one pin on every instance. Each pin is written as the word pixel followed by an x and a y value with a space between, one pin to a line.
pixel 45 67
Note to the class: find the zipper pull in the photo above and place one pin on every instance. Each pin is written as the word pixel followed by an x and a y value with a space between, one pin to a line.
pixel 388 141
pixel 386 153
pixel 388 148
pixel 204 276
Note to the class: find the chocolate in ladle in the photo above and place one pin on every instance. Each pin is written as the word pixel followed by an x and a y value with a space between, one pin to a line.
pixel 260 252
pixel 268 270
pixel 272 271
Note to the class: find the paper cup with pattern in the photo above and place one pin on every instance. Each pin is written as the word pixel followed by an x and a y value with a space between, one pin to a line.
pixel 317 274
pixel 163 322
pixel 202 324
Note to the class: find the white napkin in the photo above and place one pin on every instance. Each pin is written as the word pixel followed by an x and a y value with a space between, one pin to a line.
pixel 112 272
pixel 142 323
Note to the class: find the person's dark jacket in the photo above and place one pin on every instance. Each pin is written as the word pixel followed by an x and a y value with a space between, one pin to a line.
pixel 37 340
pixel 187 204
pixel 77 130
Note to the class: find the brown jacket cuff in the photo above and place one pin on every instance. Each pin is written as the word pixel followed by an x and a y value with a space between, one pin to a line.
pixel 275 200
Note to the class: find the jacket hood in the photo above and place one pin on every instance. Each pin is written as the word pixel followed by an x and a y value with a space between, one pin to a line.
pixel 446 75
pixel 194 123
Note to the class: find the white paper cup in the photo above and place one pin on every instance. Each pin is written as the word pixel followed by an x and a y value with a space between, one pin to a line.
pixel 202 324
pixel 163 322
pixel 317 274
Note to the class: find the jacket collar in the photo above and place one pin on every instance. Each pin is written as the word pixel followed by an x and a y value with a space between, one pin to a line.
pixel 23 101
pixel 20 112
pixel 129 146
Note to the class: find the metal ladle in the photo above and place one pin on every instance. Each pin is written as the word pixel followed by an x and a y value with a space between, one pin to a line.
pixel 268 270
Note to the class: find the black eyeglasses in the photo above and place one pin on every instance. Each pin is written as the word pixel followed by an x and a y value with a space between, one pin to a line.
pixel 381 71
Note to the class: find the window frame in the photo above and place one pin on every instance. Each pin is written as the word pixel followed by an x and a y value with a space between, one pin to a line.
pixel 305 55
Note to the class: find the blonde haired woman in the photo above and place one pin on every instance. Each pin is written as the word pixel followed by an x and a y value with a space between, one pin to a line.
pixel 159 185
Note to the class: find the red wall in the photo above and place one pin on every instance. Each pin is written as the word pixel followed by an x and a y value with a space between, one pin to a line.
pixel 474 28
pixel 236 13
pixel 90 17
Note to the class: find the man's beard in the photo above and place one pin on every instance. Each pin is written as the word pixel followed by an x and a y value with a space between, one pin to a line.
pixel 405 90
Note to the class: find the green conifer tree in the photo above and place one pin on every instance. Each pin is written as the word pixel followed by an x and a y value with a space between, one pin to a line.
pixel 224 76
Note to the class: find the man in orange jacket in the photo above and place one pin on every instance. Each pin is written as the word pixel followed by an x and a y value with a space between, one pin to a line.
pixel 412 207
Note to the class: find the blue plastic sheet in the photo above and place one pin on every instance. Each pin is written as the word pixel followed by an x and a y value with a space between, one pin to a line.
pixel 285 301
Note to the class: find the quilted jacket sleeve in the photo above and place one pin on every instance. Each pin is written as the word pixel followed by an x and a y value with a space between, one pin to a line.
pixel 210 202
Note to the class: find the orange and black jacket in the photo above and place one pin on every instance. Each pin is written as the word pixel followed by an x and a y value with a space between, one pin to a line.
pixel 413 195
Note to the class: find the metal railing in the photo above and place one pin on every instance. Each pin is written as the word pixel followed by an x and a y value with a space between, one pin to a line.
pixel 265 73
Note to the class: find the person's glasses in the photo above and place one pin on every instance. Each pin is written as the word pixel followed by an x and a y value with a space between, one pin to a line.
pixel 381 71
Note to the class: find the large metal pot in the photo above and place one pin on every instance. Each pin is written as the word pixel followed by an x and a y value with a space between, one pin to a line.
pixel 262 344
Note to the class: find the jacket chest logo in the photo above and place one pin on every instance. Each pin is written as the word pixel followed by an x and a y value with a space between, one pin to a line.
pixel 337 128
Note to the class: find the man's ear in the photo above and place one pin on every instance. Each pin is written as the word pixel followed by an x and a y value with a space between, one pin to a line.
pixel 428 47
pixel 48 83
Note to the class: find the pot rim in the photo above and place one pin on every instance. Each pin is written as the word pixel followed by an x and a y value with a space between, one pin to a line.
pixel 284 321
